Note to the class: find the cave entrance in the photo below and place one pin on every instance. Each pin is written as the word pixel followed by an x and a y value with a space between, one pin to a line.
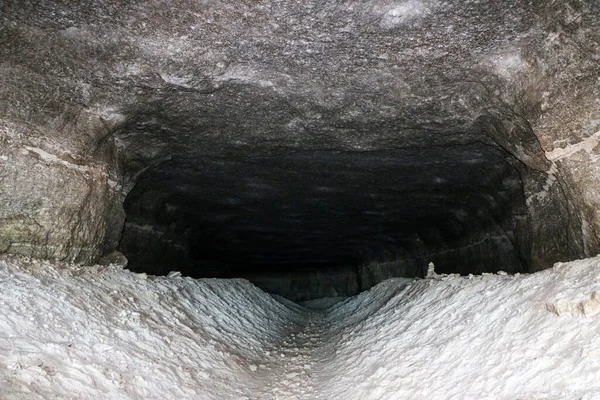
pixel 328 223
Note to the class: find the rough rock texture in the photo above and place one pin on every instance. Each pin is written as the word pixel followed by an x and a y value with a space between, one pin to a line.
pixel 55 204
pixel 257 136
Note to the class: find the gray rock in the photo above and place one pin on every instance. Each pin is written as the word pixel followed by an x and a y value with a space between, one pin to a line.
pixel 114 258
pixel 245 137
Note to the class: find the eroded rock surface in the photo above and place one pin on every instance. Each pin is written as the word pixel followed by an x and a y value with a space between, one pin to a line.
pixel 253 136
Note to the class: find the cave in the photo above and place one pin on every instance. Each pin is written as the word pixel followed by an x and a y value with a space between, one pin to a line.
pixel 252 199
pixel 320 223
pixel 313 149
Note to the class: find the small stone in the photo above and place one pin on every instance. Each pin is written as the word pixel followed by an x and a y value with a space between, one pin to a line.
pixel 431 271
pixel 114 258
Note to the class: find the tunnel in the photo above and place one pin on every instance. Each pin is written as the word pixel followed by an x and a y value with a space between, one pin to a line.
pixel 281 199
pixel 315 152
pixel 308 223
pixel 316 223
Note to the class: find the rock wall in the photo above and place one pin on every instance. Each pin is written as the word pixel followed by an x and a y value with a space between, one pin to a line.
pixel 55 204
pixel 305 132
pixel 308 285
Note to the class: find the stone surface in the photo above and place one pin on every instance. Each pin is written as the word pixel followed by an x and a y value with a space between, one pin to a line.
pixel 54 204
pixel 376 136
pixel 114 258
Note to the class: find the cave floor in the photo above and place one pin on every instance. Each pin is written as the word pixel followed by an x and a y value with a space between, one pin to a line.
pixel 68 331
pixel 298 353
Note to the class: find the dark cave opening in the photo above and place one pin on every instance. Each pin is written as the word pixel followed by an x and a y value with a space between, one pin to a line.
pixel 465 136
pixel 328 223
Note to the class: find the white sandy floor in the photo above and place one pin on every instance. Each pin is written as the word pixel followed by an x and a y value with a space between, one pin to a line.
pixel 70 332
